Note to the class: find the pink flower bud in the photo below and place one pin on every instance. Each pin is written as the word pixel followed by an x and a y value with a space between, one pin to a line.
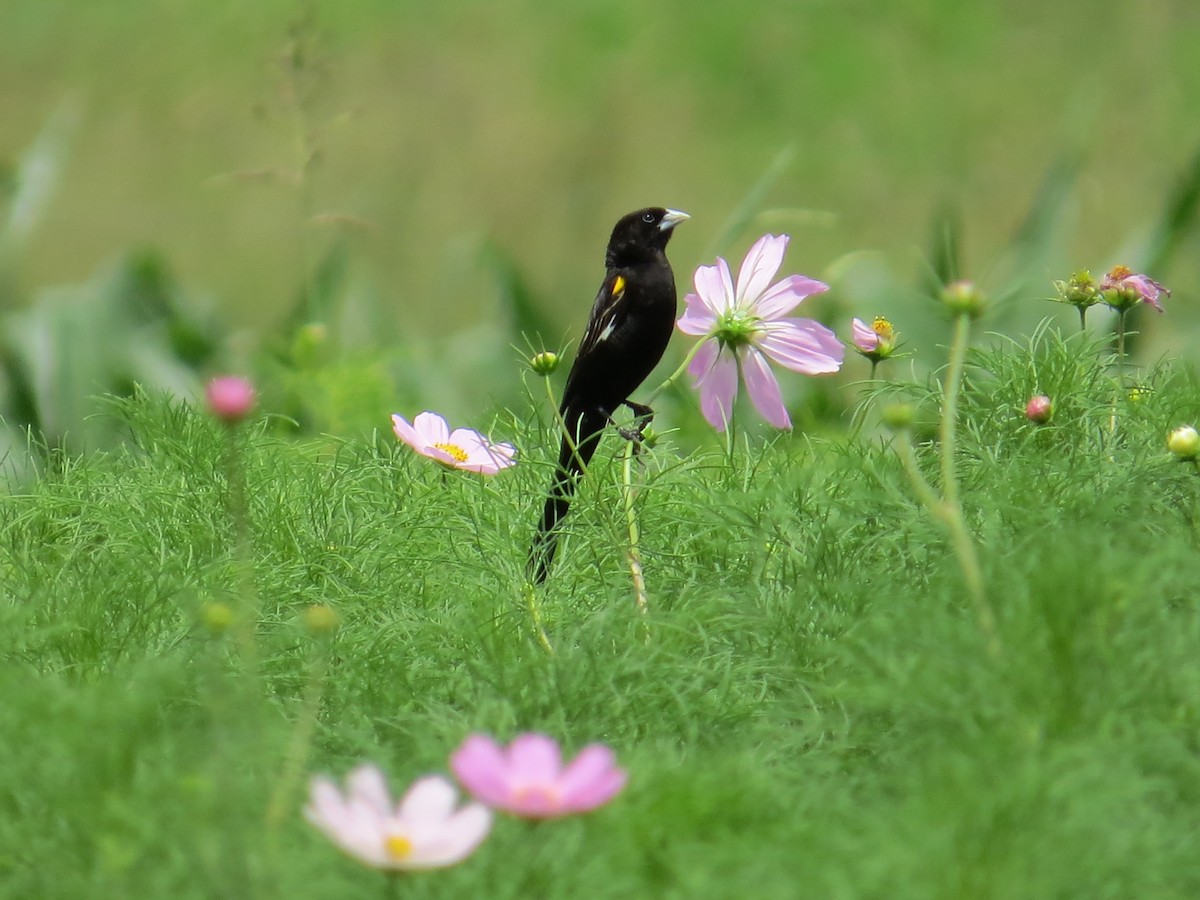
pixel 1039 409
pixel 230 398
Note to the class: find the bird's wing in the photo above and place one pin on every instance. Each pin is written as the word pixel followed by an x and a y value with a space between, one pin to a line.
pixel 607 313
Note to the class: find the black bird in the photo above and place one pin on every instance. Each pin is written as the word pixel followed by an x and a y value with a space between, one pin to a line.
pixel 627 333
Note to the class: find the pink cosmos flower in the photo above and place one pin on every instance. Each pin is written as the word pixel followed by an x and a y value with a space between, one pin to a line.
pixel 230 398
pixel 1122 288
pixel 462 448
pixel 422 831
pixel 864 336
pixel 745 326
pixel 876 341
pixel 528 778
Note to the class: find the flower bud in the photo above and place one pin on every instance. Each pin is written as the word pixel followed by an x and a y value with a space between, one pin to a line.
pixel 217 616
pixel 963 298
pixel 544 363
pixel 320 619
pixel 1184 442
pixel 1039 409
pixel 898 416
pixel 1080 290
pixel 310 344
pixel 230 398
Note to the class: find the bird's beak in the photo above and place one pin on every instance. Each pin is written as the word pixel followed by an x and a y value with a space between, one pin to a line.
pixel 671 219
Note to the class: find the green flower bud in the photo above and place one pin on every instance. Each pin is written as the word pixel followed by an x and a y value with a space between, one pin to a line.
pixel 963 298
pixel 898 416
pixel 320 619
pixel 1184 442
pixel 544 363
pixel 217 617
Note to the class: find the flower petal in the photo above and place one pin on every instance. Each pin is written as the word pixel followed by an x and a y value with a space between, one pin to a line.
pixel 863 335
pixel 762 261
pixel 697 317
pixel 430 799
pixel 764 389
pixel 785 296
pixel 481 767
pixel 534 758
pixel 366 783
pixel 714 286
pixel 457 839
pixel 706 355
pixel 591 779
pixel 802 345
pixel 431 428
pixel 718 388
pixel 598 792
pixel 405 432
pixel 352 825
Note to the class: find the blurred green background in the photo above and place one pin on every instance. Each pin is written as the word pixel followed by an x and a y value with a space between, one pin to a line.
pixel 442 178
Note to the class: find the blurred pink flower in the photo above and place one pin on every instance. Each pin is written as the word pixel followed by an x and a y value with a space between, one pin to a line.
pixel 423 831
pixel 1122 288
pixel 230 398
pixel 744 327
pixel 462 448
pixel 529 780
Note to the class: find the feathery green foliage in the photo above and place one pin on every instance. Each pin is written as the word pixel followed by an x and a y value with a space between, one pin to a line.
pixel 807 708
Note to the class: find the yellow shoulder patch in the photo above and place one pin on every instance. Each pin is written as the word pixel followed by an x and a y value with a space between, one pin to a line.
pixel 618 287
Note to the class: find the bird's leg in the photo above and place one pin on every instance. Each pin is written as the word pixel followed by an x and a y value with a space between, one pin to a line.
pixel 643 416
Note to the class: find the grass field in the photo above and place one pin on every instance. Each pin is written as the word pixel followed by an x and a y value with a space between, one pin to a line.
pixel 956 660
pixel 811 704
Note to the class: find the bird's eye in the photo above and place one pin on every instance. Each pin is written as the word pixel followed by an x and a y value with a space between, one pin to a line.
pixel 648 217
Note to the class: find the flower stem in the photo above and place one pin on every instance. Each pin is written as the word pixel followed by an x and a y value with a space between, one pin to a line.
pixel 535 618
pixel 950 515
pixel 1121 349
pixel 958 354
pixel 947 509
pixel 1082 318
pixel 301 739
pixel 243 551
pixel 634 557
pixel 671 379
pixel 1120 383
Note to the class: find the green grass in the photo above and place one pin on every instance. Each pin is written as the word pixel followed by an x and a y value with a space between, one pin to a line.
pixel 808 708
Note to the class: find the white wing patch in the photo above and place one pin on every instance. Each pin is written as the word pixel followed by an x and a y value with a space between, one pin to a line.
pixel 607 330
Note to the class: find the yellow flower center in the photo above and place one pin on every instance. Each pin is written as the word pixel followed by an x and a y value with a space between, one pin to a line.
pixel 454 450
pixel 545 792
pixel 1119 272
pixel 883 328
pixel 397 846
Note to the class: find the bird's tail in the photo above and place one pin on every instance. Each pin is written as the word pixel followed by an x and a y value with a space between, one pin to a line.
pixel 573 457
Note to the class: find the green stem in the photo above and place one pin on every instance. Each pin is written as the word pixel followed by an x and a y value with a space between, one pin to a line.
pixel 1082 318
pixel 958 355
pixel 674 376
pixel 562 426
pixel 243 551
pixel 301 740
pixel 950 515
pixel 634 558
pixel 535 618
pixel 1120 384
pixel 1121 349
